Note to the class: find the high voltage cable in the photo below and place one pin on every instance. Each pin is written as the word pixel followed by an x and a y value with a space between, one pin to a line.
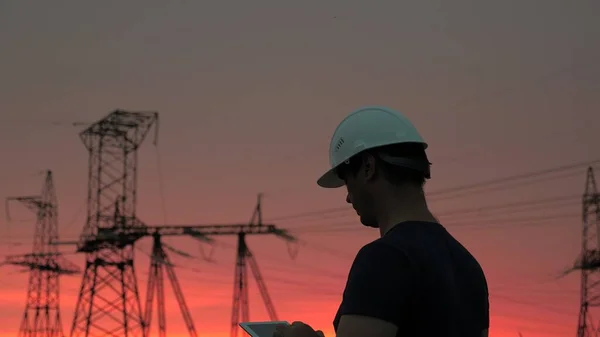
pixel 504 206
pixel 480 223
pixel 291 264
pixel 284 286
pixel 528 205
pixel 311 213
pixel 482 217
pixel 325 289
pixel 345 211
pixel 461 188
pixel 347 208
pixel 354 226
pixel 499 187
pixel 534 304
pixel 474 223
pixel 516 177
pixel 467 187
pixel 482 213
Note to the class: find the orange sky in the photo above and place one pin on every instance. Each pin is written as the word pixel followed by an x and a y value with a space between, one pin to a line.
pixel 249 94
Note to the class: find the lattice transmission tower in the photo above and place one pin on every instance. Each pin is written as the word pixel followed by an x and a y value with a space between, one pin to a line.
pixel 42 310
pixel 244 256
pixel 589 260
pixel 159 264
pixel 109 302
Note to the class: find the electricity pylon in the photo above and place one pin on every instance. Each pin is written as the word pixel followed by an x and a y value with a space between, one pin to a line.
pixel 589 260
pixel 240 284
pixel 109 302
pixel 156 285
pixel 203 233
pixel 42 310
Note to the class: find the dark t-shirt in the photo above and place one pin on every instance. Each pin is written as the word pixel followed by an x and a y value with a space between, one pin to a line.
pixel 422 280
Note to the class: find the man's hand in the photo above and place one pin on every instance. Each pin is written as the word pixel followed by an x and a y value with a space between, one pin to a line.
pixel 297 329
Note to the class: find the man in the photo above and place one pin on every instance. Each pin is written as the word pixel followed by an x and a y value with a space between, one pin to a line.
pixel 416 280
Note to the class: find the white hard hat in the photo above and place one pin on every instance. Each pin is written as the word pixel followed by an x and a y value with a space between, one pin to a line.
pixel 364 129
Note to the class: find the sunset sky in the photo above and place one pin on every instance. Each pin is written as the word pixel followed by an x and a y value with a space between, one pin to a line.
pixel 249 93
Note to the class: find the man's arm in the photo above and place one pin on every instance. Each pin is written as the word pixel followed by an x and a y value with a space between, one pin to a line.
pixel 376 297
pixel 363 326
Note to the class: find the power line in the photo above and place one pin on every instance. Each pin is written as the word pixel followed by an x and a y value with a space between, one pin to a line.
pixel 349 227
pixel 532 304
pixel 327 289
pixel 501 186
pixel 517 177
pixel 479 213
pixel 491 183
pixel 480 217
pixel 514 207
pixel 528 205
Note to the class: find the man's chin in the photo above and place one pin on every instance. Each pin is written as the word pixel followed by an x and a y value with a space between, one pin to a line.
pixel 370 224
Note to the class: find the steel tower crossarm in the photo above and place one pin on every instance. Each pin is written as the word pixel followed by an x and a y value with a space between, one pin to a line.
pixel 51 262
pixel 200 231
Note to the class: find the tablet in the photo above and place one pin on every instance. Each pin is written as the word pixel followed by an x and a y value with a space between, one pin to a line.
pixel 261 329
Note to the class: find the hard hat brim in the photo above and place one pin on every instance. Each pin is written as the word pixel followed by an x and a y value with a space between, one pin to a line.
pixel 330 180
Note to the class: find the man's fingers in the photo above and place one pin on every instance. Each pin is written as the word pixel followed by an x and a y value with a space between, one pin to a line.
pixel 279 331
pixel 299 328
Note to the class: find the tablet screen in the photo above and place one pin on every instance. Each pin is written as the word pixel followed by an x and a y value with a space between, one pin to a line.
pixel 261 329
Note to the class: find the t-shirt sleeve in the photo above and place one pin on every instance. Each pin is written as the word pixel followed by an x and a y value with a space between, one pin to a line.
pixel 379 284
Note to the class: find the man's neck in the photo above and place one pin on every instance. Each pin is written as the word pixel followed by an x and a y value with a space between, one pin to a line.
pixel 398 210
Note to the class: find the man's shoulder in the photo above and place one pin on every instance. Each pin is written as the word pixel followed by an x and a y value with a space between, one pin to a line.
pixel 409 238
pixel 381 254
pixel 413 232
pixel 421 237
pixel 399 244
pixel 429 246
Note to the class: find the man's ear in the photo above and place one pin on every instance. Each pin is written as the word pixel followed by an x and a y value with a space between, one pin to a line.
pixel 369 163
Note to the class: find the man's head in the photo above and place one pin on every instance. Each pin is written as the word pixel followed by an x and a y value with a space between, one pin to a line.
pixel 377 154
